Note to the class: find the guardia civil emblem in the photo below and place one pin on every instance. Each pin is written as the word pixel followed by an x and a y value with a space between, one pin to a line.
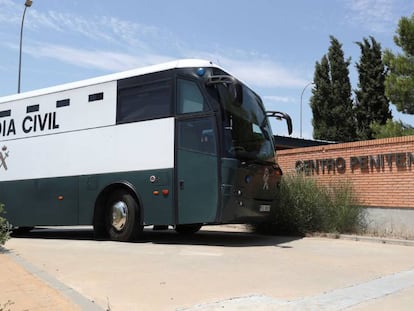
pixel 4 154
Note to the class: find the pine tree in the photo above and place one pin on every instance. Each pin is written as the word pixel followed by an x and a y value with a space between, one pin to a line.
pixel 371 103
pixel 321 99
pixel 331 102
pixel 399 84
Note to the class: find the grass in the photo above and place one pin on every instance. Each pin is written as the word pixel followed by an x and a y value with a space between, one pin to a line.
pixel 307 207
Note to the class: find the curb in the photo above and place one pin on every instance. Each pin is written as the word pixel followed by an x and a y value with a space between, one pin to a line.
pixel 380 240
pixel 350 237
pixel 74 296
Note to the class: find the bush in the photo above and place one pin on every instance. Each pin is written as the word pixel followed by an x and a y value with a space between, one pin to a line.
pixel 4 227
pixel 308 207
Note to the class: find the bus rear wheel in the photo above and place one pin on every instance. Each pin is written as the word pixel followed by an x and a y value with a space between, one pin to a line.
pixel 122 216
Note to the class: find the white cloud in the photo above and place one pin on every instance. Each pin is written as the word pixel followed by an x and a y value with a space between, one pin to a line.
pixel 379 16
pixel 257 70
pixel 265 73
pixel 102 29
pixel 278 99
pixel 114 45
pixel 8 12
pixel 103 60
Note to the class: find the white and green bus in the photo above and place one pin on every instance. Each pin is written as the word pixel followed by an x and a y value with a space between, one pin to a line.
pixel 179 144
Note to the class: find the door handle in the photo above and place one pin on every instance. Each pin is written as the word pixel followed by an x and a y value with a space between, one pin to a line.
pixel 181 184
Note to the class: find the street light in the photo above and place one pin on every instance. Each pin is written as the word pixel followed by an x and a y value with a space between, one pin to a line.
pixel 27 4
pixel 301 96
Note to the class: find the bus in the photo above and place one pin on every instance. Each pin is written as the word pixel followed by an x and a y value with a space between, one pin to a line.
pixel 181 144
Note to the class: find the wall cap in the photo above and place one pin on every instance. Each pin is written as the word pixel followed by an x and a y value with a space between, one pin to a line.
pixel 356 144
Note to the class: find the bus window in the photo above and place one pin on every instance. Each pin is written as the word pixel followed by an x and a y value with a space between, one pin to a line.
pixel 197 135
pixel 144 102
pixel 190 98
pixel 247 135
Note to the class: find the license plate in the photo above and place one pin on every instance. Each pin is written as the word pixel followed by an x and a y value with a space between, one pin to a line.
pixel 264 208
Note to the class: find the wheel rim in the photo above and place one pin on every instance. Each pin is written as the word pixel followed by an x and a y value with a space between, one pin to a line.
pixel 119 215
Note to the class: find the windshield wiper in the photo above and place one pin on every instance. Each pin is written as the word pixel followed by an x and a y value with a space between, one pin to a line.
pixel 258 161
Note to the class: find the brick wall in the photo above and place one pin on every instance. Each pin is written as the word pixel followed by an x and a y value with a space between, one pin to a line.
pixel 381 171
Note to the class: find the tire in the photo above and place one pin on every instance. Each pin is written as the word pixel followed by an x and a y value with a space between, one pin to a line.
pixel 188 229
pixel 122 217
pixel 99 228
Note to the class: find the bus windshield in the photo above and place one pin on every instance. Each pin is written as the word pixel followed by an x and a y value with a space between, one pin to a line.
pixel 248 136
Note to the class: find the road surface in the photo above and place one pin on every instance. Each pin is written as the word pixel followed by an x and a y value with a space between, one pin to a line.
pixel 222 268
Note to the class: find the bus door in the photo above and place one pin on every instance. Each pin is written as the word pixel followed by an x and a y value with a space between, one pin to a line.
pixel 197 171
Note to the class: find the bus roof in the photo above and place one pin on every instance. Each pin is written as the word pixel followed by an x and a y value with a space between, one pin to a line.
pixel 181 63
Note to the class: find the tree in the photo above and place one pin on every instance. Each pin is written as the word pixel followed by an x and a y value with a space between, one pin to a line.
pixel 331 102
pixel 371 103
pixel 391 129
pixel 399 84
pixel 321 101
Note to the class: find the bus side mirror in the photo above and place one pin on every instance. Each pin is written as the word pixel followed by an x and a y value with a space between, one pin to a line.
pixel 234 87
pixel 279 116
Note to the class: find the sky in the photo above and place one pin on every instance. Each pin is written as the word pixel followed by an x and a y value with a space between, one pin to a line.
pixel 272 45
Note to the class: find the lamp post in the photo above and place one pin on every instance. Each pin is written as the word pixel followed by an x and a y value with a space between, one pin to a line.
pixel 301 97
pixel 27 4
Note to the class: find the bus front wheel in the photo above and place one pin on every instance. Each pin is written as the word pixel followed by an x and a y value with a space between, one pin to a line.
pixel 122 216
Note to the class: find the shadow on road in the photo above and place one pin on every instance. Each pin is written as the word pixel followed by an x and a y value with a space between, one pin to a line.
pixel 226 238
pixel 3 251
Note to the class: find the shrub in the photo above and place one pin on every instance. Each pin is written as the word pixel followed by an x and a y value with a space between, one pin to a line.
pixel 307 207
pixel 4 227
pixel 347 216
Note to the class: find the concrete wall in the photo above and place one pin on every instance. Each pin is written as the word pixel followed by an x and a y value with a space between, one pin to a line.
pixel 381 171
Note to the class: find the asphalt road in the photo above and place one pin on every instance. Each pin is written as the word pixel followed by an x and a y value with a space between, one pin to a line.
pixel 222 268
